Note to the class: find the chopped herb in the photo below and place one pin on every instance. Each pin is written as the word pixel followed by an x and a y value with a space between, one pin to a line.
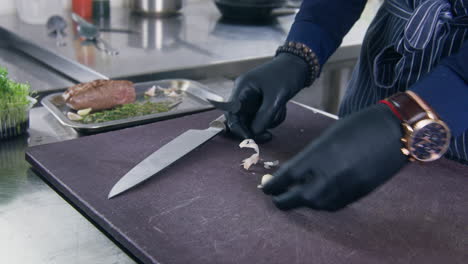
pixel 127 111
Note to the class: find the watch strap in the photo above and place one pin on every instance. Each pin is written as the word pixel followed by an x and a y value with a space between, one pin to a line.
pixel 409 109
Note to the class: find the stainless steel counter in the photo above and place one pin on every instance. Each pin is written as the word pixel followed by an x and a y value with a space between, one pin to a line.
pixel 25 69
pixel 36 225
pixel 197 38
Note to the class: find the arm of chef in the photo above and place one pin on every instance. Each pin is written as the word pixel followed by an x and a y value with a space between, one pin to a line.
pixel 445 89
pixel 322 24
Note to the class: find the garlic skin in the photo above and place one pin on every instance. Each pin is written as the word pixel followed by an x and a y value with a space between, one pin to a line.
pixel 65 96
pixel 151 91
pixel 270 164
pixel 173 94
pixel 248 162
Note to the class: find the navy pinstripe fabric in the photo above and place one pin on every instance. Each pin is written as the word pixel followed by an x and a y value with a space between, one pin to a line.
pixel 406 40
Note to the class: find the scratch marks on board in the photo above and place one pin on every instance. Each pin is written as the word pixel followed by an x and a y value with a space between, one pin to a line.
pixel 182 204
pixel 158 229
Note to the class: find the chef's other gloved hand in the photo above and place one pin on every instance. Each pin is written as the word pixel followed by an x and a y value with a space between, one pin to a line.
pixel 261 95
pixel 348 161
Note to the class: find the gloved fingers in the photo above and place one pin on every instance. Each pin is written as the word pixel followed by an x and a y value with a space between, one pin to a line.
pixel 319 195
pixel 267 113
pixel 229 106
pixel 263 138
pixel 238 129
pixel 279 183
pixel 279 118
pixel 289 200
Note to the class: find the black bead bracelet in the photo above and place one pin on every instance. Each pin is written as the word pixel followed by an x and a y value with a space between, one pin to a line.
pixel 305 53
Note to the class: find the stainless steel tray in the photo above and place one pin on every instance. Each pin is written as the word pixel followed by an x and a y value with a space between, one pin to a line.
pixel 193 100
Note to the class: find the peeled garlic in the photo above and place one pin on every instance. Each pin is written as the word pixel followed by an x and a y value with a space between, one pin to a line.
pixel 84 112
pixel 74 117
pixel 266 178
pixel 173 94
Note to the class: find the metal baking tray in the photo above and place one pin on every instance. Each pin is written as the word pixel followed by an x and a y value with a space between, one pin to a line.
pixel 192 100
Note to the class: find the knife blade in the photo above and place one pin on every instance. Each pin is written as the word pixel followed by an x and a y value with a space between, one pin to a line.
pixel 166 155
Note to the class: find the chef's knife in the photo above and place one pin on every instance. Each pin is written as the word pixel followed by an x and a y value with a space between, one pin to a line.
pixel 166 155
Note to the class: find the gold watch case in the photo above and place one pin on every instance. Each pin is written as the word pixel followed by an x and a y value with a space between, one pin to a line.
pixel 420 151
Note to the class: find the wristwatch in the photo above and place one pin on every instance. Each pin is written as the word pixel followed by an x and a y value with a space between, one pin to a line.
pixel 426 137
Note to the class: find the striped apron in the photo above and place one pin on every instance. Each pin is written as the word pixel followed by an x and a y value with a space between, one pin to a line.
pixel 406 40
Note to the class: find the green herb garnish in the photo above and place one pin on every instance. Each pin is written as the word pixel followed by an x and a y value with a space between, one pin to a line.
pixel 14 102
pixel 127 111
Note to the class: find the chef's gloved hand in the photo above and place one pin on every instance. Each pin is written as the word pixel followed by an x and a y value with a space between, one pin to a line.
pixel 349 160
pixel 261 94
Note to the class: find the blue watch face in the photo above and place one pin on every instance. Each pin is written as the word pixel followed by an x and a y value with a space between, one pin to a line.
pixel 430 141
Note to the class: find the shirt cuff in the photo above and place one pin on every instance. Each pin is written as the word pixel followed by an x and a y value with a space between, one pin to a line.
pixel 447 93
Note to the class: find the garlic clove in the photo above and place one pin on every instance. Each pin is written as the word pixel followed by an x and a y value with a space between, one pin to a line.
pixel 151 91
pixel 266 178
pixel 74 117
pixel 84 112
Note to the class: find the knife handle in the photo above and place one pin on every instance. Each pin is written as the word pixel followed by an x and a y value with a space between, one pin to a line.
pixel 219 123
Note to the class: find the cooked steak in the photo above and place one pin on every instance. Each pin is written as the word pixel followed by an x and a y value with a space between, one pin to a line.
pixel 99 94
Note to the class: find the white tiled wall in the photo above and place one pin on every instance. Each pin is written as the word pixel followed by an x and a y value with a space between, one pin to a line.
pixel 8 6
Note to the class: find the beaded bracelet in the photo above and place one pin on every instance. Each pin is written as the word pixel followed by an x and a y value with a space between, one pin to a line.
pixel 307 54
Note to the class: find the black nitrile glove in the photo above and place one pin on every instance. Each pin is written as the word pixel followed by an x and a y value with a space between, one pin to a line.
pixel 259 99
pixel 349 160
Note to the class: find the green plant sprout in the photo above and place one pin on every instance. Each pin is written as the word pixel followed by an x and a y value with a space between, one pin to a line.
pixel 14 102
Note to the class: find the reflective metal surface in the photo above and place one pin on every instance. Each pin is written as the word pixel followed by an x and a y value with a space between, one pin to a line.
pixel 193 99
pixel 157 7
pixel 36 225
pixel 24 69
pixel 196 38
pixel 91 34
pixel 68 68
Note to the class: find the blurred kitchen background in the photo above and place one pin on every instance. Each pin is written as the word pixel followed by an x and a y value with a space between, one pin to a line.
pixel 198 44
pixel 8 6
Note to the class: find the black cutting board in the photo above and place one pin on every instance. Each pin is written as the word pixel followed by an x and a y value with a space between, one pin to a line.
pixel 206 209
